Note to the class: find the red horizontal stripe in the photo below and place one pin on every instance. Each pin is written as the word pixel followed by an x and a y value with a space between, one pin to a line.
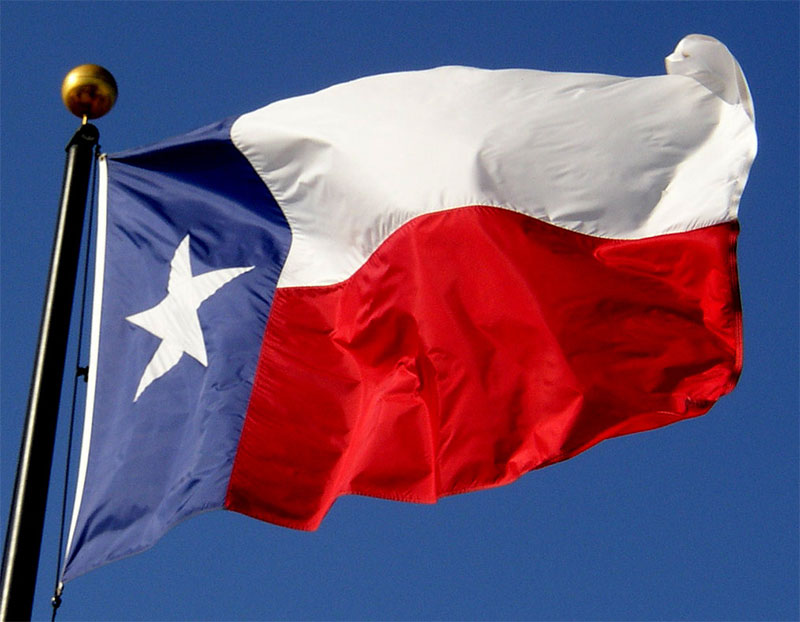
pixel 475 345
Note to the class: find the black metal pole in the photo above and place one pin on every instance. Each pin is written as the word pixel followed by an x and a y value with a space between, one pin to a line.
pixel 26 519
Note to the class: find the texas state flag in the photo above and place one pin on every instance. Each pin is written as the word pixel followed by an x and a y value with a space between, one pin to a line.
pixel 408 286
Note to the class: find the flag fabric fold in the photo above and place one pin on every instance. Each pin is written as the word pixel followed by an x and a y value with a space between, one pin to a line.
pixel 408 286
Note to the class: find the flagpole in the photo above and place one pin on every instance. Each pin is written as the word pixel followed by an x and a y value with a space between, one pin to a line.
pixel 89 92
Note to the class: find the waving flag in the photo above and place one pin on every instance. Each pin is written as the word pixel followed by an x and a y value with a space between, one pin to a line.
pixel 408 286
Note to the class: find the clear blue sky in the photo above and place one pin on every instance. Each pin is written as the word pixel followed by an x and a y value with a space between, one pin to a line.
pixel 695 521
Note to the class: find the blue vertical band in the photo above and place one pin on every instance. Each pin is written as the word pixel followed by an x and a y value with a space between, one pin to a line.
pixel 168 455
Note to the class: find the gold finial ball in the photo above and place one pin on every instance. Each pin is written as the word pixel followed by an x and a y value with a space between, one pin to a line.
pixel 89 91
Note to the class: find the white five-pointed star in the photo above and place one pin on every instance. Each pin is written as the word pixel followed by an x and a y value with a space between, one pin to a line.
pixel 174 320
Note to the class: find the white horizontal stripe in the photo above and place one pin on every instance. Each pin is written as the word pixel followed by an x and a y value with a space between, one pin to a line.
pixel 602 155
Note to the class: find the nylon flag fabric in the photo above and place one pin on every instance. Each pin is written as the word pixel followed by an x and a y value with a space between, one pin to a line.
pixel 408 286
